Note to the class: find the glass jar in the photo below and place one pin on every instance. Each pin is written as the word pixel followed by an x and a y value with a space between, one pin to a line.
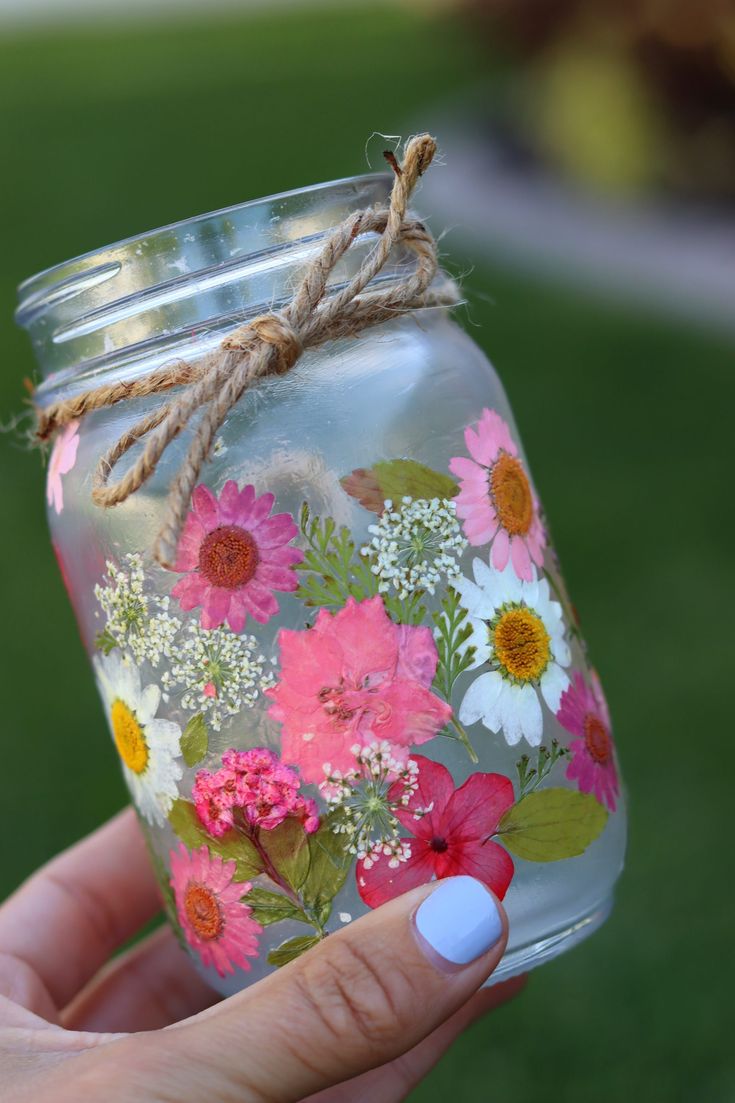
pixel 365 670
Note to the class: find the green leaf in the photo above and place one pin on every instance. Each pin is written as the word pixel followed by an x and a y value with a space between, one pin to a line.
pixel 105 641
pixel 331 570
pixel 452 631
pixel 551 824
pixel 195 740
pixel 287 847
pixel 330 864
pixel 396 479
pixel 293 948
pixel 271 907
pixel 232 846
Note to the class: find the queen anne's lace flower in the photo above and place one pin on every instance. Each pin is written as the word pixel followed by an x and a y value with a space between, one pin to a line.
pixel 414 545
pixel 136 621
pixel 367 798
pixel 219 673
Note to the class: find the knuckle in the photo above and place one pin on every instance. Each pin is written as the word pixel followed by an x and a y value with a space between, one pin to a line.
pixel 357 999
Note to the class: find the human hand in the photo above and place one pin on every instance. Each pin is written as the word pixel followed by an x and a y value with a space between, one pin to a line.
pixel 376 1004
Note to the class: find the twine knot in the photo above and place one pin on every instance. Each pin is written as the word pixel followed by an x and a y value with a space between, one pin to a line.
pixel 270 344
pixel 273 329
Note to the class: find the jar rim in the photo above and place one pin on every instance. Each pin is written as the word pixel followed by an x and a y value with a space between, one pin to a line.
pixel 28 287
pixel 171 293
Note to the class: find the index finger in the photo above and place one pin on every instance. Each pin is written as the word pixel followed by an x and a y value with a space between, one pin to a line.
pixel 70 916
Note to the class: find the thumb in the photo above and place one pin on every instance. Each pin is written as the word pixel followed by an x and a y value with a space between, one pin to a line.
pixel 359 999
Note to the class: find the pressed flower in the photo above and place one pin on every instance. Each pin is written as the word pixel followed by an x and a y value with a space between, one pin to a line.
pixel 214 917
pixel 415 545
pixel 583 712
pixel 452 834
pixel 63 458
pixel 353 678
pixel 135 620
pixel 149 747
pixel 367 798
pixel 220 673
pixel 496 499
pixel 234 555
pixel 253 789
pixel 518 634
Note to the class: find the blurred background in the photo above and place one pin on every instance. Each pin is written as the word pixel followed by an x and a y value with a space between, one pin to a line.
pixel 588 196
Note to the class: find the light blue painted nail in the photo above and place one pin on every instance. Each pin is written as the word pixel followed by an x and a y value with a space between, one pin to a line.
pixel 460 920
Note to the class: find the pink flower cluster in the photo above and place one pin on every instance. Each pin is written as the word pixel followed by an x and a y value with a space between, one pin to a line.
pixel 256 784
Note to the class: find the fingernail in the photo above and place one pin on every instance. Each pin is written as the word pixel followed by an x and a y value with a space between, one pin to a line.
pixel 460 920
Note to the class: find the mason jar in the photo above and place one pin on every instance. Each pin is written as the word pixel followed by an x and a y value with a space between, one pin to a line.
pixel 363 670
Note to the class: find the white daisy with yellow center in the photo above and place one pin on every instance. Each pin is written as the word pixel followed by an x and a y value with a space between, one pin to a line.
pixel 149 747
pixel 519 638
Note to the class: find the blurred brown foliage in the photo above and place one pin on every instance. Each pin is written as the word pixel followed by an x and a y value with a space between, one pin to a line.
pixel 670 61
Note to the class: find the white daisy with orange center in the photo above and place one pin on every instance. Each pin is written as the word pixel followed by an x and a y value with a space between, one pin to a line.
pixel 149 747
pixel 518 634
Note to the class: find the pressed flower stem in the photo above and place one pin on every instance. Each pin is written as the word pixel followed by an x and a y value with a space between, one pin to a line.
pixel 253 834
pixel 270 870
pixel 464 739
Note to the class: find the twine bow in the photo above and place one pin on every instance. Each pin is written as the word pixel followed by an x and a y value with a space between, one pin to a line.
pixel 268 345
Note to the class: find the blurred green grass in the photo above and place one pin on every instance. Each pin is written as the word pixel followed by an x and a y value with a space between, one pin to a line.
pixel 627 420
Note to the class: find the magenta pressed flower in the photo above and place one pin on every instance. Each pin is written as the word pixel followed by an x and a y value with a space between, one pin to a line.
pixel 252 789
pixel 583 712
pixel 354 678
pixel 451 835
pixel 234 555
pixel 63 458
pixel 496 500
pixel 215 920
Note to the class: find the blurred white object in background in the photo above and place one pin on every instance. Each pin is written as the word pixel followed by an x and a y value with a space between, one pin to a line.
pixel 675 256
pixel 20 12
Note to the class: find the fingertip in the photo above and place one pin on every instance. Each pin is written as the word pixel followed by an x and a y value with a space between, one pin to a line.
pixel 460 921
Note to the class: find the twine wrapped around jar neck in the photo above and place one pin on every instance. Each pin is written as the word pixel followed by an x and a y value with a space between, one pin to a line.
pixel 268 345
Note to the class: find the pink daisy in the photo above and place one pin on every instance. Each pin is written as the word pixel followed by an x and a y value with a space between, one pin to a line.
pixel 351 679
pixel 496 500
pixel 451 835
pixel 235 555
pixel 63 458
pixel 215 921
pixel 583 712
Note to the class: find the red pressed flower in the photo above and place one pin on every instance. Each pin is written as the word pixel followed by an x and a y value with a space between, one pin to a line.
pixel 451 828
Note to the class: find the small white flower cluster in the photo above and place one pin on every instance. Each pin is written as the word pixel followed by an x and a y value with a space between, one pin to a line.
pixel 415 544
pixel 367 809
pixel 136 621
pixel 220 673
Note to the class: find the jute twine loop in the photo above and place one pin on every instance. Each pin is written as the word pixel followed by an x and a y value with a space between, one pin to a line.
pixel 268 345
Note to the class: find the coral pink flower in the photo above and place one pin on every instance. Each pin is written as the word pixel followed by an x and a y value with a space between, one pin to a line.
pixel 63 458
pixel 235 555
pixel 583 712
pixel 496 499
pixel 215 921
pixel 451 828
pixel 353 678
pixel 254 788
